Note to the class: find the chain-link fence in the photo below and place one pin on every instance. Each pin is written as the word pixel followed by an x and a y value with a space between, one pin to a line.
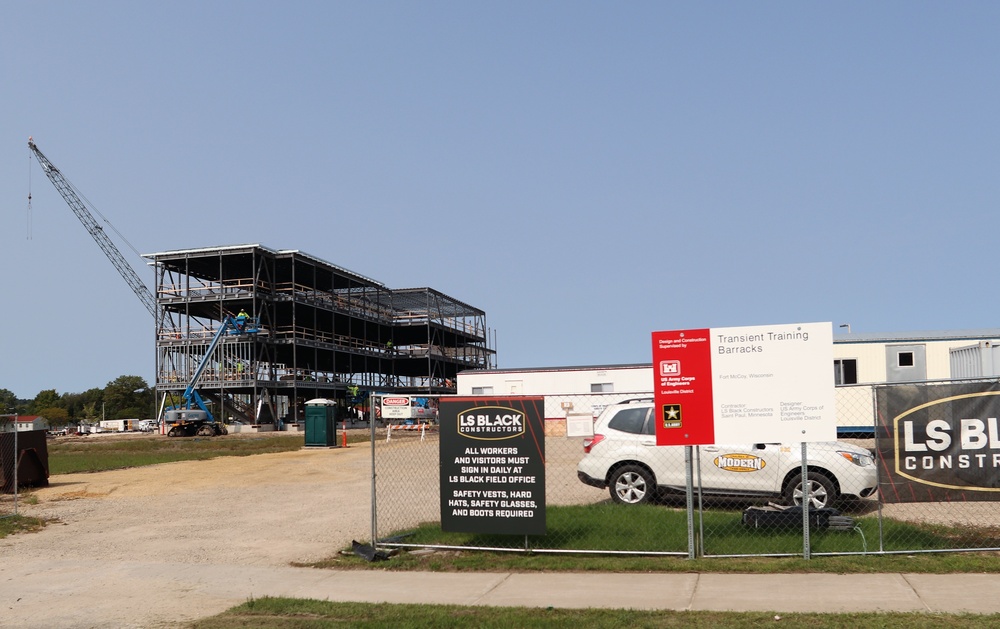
pixel 8 468
pixel 916 469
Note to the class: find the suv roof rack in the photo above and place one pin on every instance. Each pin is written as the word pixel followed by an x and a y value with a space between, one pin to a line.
pixel 635 400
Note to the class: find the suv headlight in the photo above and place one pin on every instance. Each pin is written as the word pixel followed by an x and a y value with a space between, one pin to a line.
pixel 859 459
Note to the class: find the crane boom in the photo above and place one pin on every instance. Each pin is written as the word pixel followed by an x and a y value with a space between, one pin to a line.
pixel 96 231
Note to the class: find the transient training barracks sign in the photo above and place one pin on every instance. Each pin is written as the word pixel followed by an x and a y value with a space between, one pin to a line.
pixel 492 465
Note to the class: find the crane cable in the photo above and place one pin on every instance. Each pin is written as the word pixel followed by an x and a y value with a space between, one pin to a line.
pixel 103 217
pixel 29 195
pixel 85 200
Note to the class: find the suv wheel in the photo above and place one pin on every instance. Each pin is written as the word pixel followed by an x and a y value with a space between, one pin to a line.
pixel 631 484
pixel 822 492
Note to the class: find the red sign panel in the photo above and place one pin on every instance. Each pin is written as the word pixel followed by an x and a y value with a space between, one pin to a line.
pixel 682 367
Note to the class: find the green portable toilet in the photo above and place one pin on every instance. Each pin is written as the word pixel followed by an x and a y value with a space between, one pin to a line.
pixel 321 425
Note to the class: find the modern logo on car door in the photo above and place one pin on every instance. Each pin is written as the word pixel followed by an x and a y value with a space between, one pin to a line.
pixel 739 463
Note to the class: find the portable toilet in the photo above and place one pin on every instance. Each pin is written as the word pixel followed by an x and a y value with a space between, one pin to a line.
pixel 321 425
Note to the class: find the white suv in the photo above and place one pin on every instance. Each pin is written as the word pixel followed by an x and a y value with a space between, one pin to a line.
pixel 623 457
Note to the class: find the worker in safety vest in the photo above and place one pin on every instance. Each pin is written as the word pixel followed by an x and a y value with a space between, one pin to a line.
pixel 241 318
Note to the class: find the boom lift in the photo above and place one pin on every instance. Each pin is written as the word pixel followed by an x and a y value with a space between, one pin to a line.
pixel 189 421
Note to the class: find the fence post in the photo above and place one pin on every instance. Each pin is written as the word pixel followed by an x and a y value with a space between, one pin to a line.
pixel 878 468
pixel 689 482
pixel 371 424
pixel 805 503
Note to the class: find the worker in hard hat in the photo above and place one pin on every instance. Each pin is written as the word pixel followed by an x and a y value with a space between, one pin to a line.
pixel 241 319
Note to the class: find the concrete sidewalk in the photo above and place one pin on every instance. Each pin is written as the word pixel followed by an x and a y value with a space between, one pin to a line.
pixel 77 594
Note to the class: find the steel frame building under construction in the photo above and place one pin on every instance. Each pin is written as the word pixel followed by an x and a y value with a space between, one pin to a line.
pixel 324 332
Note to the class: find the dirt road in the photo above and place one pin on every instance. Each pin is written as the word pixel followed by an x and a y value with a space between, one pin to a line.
pixel 113 530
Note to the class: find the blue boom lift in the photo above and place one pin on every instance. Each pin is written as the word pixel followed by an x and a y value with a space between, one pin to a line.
pixel 188 421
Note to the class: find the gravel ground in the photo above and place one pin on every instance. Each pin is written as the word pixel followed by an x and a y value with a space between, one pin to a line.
pixel 265 510
pixel 162 545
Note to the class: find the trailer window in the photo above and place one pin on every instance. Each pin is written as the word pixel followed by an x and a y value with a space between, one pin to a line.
pixel 602 387
pixel 845 371
pixel 905 359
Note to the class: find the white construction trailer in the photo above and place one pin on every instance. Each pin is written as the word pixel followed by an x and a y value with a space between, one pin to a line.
pixel 861 361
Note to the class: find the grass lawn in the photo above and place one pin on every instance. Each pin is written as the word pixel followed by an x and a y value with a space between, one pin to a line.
pixel 659 529
pixel 281 613
pixel 98 454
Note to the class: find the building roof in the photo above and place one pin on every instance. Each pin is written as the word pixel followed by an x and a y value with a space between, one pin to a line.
pixel 250 246
pixel 918 336
pixel 556 369
pixel 430 300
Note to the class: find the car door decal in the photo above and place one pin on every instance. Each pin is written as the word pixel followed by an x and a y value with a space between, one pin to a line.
pixel 739 462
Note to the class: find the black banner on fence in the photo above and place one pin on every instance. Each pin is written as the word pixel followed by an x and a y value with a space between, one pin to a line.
pixel 492 465
pixel 939 442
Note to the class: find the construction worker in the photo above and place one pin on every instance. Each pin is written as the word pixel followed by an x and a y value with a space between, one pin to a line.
pixel 241 319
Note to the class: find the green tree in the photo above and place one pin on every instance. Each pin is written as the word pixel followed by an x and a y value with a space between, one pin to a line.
pixel 47 398
pixel 57 416
pixel 124 395
pixel 73 403
pixel 90 404
pixel 8 402
pixel 90 411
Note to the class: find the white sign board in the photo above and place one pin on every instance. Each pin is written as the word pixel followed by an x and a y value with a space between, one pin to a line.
pixel 745 385
pixel 579 425
pixel 396 407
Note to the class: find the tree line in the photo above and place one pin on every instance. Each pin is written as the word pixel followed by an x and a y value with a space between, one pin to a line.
pixel 125 397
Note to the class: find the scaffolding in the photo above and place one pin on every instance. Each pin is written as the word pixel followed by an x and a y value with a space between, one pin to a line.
pixel 324 331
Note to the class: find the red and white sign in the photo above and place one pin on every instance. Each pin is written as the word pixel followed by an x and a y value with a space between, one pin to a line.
pixel 397 407
pixel 756 384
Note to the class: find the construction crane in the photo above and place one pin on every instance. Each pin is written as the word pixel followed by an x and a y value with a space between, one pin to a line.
pixel 96 231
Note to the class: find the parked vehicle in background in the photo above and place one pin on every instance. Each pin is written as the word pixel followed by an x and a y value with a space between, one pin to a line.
pixel 623 457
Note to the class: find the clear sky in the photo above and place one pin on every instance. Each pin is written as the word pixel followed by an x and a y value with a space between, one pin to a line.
pixel 585 172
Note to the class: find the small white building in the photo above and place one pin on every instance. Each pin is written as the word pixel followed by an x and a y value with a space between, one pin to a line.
pixel 24 423
pixel 558 380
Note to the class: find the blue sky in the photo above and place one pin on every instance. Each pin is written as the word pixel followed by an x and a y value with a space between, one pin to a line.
pixel 585 172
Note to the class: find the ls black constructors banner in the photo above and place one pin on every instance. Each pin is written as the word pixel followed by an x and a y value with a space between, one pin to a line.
pixel 939 442
pixel 492 465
